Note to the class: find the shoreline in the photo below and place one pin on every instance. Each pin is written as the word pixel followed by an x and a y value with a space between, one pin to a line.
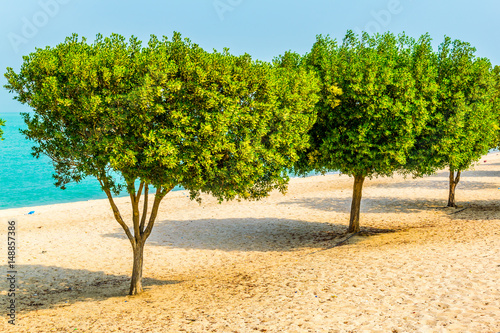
pixel 121 197
pixel 35 207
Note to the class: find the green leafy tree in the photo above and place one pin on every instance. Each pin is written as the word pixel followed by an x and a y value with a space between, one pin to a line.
pixel 496 102
pixel 2 123
pixel 370 107
pixel 160 116
pixel 463 122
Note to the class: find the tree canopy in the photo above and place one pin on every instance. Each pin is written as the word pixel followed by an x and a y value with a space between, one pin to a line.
pixel 163 115
pixel 372 106
pixel 463 121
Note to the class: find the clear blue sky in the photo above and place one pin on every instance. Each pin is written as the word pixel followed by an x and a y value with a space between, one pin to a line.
pixel 261 28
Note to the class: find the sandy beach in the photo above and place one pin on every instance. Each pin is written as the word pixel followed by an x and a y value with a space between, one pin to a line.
pixel 270 265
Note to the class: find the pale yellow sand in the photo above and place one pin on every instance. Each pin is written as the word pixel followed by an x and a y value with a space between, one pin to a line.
pixel 266 266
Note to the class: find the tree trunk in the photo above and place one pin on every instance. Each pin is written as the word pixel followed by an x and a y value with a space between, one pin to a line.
pixel 356 204
pixel 136 283
pixel 142 230
pixel 453 184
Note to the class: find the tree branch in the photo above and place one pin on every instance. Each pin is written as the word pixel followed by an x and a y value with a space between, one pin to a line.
pixel 145 208
pixel 118 217
pixel 160 194
pixel 139 192
pixel 135 209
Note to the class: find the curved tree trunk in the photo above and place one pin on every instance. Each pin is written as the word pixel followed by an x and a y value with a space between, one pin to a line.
pixel 356 204
pixel 453 184
pixel 136 283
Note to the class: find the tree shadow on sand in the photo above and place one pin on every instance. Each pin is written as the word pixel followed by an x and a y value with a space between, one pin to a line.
pixel 370 205
pixel 471 173
pixel 479 210
pixel 250 234
pixel 482 173
pixel 45 287
pixel 441 181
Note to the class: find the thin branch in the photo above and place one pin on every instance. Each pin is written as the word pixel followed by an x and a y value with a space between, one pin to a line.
pixel 118 217
pixel 135 209
pixel 145 208
pixel 458 211
pixel 160 194
pixel 139 192
pixel 131 193
pixel 336 244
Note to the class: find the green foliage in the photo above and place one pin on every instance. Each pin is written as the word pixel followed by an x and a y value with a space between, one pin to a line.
pixel 463 122
pixel 496 103
pixel 2 123
pixel 372 103
pixel 167 114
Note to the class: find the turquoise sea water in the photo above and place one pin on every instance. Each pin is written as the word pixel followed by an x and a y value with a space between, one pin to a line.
pixel 27 181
